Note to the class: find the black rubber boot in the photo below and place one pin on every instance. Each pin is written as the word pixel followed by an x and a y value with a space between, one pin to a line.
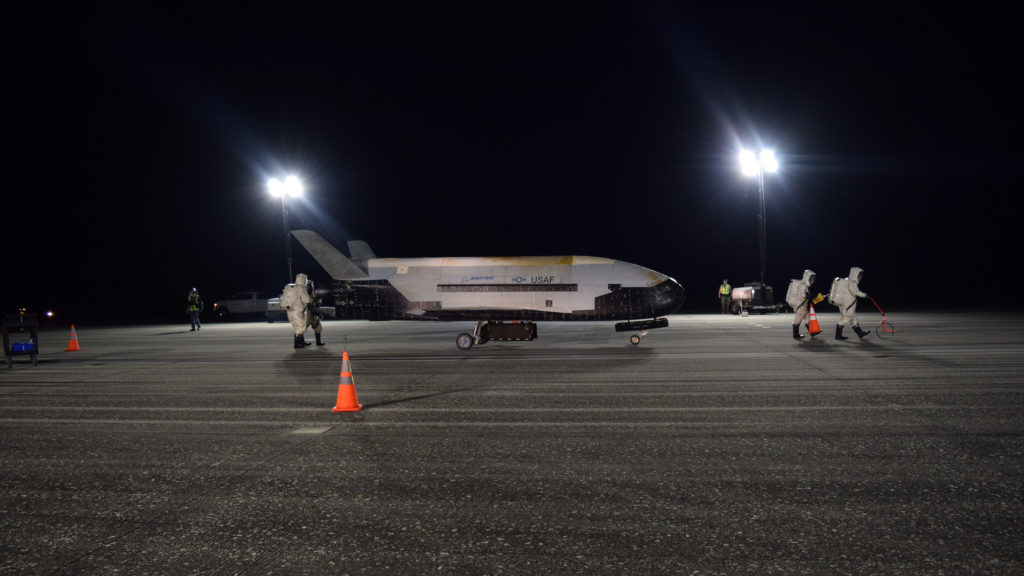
pixel 796 332
pixel 299 343
pixel 319 340
pixel 839 333
pixel 860 333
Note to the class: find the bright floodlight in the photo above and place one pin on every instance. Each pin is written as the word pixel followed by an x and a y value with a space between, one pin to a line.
pixel 768 161
pixel 748 163
pixel 276 187
pixel 754 166
pixel 293 186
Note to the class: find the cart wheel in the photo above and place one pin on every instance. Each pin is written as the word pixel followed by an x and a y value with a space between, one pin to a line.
pixel 464 341
pixel 885 330
pixel 634 339
pixel 35 360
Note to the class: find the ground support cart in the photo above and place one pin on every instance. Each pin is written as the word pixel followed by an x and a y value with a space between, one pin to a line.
pixel 15 327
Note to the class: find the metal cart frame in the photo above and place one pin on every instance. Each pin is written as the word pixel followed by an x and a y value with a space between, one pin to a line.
pixel 20 324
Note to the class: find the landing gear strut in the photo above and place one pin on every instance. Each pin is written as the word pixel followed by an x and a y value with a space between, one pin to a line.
pixel 465 341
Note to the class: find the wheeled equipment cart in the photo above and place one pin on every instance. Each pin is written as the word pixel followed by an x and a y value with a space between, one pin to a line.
pixel 15 329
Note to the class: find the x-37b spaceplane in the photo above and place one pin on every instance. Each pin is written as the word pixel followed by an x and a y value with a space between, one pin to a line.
pixel 506 296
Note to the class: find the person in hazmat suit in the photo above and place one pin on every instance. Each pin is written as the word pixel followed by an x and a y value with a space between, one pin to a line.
pixel 844 294
pixel 295 299
pixel 313 314
pixel 799 298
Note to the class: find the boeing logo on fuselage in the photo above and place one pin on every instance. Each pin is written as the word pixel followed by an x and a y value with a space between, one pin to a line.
pixel 468 279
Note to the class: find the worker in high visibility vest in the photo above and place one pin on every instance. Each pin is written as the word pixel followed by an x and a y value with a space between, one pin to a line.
pixel 725 294
pixel 193 306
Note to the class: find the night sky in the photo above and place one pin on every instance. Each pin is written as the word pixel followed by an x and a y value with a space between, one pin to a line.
pixel 143 139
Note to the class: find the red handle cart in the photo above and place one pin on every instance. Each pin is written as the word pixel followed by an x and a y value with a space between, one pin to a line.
pixel 885 328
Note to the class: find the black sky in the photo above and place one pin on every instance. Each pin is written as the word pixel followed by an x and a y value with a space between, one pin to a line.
pixel 143 137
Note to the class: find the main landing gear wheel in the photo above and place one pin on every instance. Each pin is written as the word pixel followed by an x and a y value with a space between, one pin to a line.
pixel 464 341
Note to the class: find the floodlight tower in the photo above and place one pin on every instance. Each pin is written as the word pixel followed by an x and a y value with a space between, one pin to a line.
pixel 291 186
pixel 754 166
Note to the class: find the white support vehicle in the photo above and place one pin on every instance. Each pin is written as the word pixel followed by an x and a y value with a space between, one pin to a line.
pixel 242 304
pixel 754 297
pixel 275 313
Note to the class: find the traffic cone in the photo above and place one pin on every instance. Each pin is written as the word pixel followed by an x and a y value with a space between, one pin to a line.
pixel 347 401
pixel 813 328
pixel 73 342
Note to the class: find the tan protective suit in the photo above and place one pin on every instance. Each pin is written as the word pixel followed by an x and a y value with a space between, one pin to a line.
pixel 803 310
pixel 313 319
pixel 294 300
pixel 845 294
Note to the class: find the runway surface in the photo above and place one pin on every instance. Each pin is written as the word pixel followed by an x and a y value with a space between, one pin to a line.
pixel 720 445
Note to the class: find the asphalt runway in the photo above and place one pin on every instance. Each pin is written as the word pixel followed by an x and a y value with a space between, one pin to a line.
pixel 718 446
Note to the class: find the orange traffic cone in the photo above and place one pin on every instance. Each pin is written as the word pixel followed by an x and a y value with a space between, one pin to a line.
pixel 813 328
pixel 347 401
pixel 73 342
